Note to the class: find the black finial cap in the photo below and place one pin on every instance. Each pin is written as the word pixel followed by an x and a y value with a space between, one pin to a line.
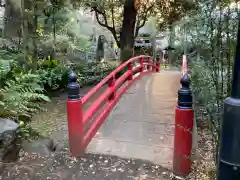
pixel 158 57
pixel 185 81
pixel 73 86
pixel 185 93
pixel 72 77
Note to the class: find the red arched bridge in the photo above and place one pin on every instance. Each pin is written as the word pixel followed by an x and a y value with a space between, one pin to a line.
pixel 143 122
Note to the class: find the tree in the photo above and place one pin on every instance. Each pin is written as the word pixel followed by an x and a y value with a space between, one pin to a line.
pixel 124 18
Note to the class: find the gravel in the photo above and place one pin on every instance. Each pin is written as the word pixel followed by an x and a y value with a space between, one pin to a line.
pixel 61 166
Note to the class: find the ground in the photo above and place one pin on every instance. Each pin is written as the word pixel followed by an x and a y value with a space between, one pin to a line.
pixel 61 166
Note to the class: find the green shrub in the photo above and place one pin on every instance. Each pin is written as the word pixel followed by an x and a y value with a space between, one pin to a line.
pixel 91 73
pixel 53 75
pixel 20 92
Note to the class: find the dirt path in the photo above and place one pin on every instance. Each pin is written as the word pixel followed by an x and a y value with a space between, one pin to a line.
pixel 62 166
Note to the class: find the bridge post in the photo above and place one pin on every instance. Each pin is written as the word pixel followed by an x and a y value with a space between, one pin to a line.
pixel 141 64
pixel 158 63
pixel 75 116
pixel 130 68
pixel 183 129
pixel 111 85
pixel 229 152
pixel 153 68
pixel 148 61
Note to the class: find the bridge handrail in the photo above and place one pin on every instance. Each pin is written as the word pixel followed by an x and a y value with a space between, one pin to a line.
pixel 84 125
pixel 107 78
pixel 184 118
pixel 95 106
pixel 82 130
pixel 184 65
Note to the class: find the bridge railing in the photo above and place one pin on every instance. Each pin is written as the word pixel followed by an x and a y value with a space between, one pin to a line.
pixel 184 119
pixel 84 124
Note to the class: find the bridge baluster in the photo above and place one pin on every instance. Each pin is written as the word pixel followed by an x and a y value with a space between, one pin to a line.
pixel 75 116
pixel 130 68
pixel 148 61
pixel 141 63
pixel 111 85
pixel 158 63
pixel 153 67
pixel 183 128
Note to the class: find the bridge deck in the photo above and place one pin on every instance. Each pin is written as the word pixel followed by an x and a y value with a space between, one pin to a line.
pixel 141 125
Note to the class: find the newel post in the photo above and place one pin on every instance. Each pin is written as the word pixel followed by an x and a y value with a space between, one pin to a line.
pixel 75 116
pixel 141 64
pixel 111 85
pixel 148 61
pixel 158 63
pixel 154 63
pixel 130 69
pixel 184 119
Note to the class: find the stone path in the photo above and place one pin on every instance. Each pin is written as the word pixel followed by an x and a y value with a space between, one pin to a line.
pixel 141 126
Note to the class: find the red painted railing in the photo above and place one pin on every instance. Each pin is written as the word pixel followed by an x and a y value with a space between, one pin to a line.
pixel 184 118
pixel 83 125
pixel 184 65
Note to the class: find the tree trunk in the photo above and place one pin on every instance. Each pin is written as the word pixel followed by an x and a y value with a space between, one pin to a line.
pixel 24 31
pixel 12 21
pixel 170 53
pixel 53 53
pixel 100 49
pixel 127 33
pixel 34 37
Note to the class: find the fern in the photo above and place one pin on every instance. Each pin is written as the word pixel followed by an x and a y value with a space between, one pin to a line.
pixel 20 93
pixel 4 69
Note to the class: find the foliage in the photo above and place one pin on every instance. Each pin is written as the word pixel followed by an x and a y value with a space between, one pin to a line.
pixel 20 91
pixel 39 40
pixel 210 38
pixel 25 132
pixel 53 75
pixel 109 13
pixel 44 28
pixel 91 73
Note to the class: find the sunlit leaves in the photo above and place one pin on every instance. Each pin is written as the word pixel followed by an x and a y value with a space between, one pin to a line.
pixel 173 10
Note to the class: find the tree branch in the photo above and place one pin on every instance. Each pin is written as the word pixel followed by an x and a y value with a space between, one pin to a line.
pixel 145 15
pixel 2 4
pixel 97 12
pixel 113 20
pixel 105 24
pixel 114 29
pixel 101 23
